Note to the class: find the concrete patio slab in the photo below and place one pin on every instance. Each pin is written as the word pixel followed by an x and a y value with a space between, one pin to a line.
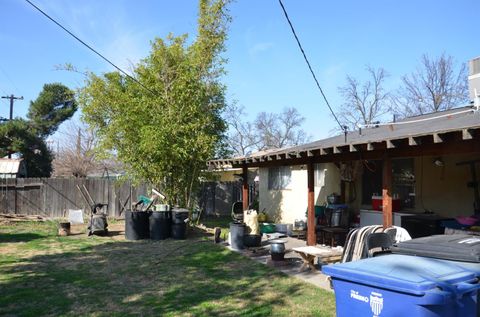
pixel 292 263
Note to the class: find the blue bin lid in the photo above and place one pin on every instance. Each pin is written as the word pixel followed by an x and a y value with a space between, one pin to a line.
pixel 402 273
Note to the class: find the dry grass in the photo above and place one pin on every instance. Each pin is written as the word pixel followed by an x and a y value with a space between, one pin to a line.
pixel 45 275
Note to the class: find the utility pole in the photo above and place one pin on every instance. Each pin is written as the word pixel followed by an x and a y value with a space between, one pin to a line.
pixel 12 98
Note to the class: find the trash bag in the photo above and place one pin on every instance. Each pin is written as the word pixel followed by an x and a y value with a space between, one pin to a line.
pixel 251 221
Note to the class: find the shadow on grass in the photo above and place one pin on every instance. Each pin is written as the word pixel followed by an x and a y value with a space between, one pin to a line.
pixel 166 278
pixel 19 237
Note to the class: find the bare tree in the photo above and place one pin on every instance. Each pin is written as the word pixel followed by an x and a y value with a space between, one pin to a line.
pixel 76 156
pixel 434 86
pixel 280 130
pixel 241 138
pixel 364 103
pixel 269 130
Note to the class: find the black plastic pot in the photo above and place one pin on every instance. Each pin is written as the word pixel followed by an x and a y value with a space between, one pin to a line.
pixel 237 231
pixel 137 225
pixel 160 225
pixel 179 226
pixel 252 240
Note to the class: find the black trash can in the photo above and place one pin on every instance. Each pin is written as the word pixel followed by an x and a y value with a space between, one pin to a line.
pixel 459 249
pixel 137 225
pixel 179 224
pixel 160 225
pixel 237 232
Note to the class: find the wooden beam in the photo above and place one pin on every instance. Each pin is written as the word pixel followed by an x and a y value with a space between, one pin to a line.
pixel 390 144
pixel 337 150
pixel 323 152
pixel 370 147
pixel 353 148
pixel 299 155
pixel 437 138
pixel 245 187
pixel 448 147
pixel 413 141
pixel 467 134
pixel 311 235
pixel 387 193
pixel 309 153
pixel 342 192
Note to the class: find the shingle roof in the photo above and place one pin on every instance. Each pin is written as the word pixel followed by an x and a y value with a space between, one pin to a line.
pixel 459 119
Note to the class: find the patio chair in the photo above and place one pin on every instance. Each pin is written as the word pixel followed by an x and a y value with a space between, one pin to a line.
pixel 336 228
pixel 378 244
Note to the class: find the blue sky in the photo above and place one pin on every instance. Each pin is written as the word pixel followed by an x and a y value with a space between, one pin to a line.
pixel 266 71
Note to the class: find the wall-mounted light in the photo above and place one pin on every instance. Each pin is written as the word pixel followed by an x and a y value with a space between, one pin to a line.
pixel 438 162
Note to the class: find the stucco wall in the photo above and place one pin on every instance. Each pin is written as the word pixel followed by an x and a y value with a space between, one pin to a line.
pixel 444 190
pixel 287 205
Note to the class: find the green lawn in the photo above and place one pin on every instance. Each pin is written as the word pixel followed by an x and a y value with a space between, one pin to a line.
pixel 42 274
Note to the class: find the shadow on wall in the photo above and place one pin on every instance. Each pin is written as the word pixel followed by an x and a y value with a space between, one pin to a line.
pixel 274 208
pixel 331 184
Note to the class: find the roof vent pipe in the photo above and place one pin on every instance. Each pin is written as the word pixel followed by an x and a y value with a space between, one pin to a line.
pixel 474 81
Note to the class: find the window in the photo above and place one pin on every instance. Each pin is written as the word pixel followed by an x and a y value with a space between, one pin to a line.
pixel 403 181
pixel 279 177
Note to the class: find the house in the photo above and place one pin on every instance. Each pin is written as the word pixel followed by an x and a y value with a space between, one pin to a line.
pixel 427 163
pixel 12 168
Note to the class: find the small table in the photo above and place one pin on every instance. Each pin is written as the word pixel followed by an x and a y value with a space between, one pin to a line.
pixel 325 255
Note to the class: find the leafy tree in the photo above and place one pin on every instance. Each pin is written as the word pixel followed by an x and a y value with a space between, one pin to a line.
pixel 436 85
pixel 54 105
pixel 17 136
pixel 165 137
pixel 364 103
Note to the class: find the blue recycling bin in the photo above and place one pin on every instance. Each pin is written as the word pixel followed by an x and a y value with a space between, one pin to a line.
pixel 475 268
pixel 402 285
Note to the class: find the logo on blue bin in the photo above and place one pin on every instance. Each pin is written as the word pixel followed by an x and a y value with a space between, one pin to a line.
pixel 375 300
pixel 376 303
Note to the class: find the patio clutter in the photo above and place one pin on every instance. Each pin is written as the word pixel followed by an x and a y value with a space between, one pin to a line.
pixel 160 223
pixel 356 241
pixel 64 229
pixel 324 255
pixel 157 222
pixel 97 224
pixel 277 249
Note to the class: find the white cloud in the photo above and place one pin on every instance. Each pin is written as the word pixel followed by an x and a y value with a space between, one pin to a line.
pixel 259 48
pixel 111 34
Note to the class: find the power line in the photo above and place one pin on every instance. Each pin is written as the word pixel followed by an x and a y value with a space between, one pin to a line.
pixel 10 80
pixel 89 47
pixel 309 66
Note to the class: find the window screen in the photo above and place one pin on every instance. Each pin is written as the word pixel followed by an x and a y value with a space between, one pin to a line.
pixel 279 177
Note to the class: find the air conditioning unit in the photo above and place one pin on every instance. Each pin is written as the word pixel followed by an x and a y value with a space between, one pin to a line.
pixel 474 80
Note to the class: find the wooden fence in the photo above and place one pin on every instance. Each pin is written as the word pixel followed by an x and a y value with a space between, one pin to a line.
pixel 217 198
pixel 52 197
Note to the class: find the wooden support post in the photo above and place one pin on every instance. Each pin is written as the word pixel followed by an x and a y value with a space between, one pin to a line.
pixel 245 187
pixel 311 235
pixel 387 192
